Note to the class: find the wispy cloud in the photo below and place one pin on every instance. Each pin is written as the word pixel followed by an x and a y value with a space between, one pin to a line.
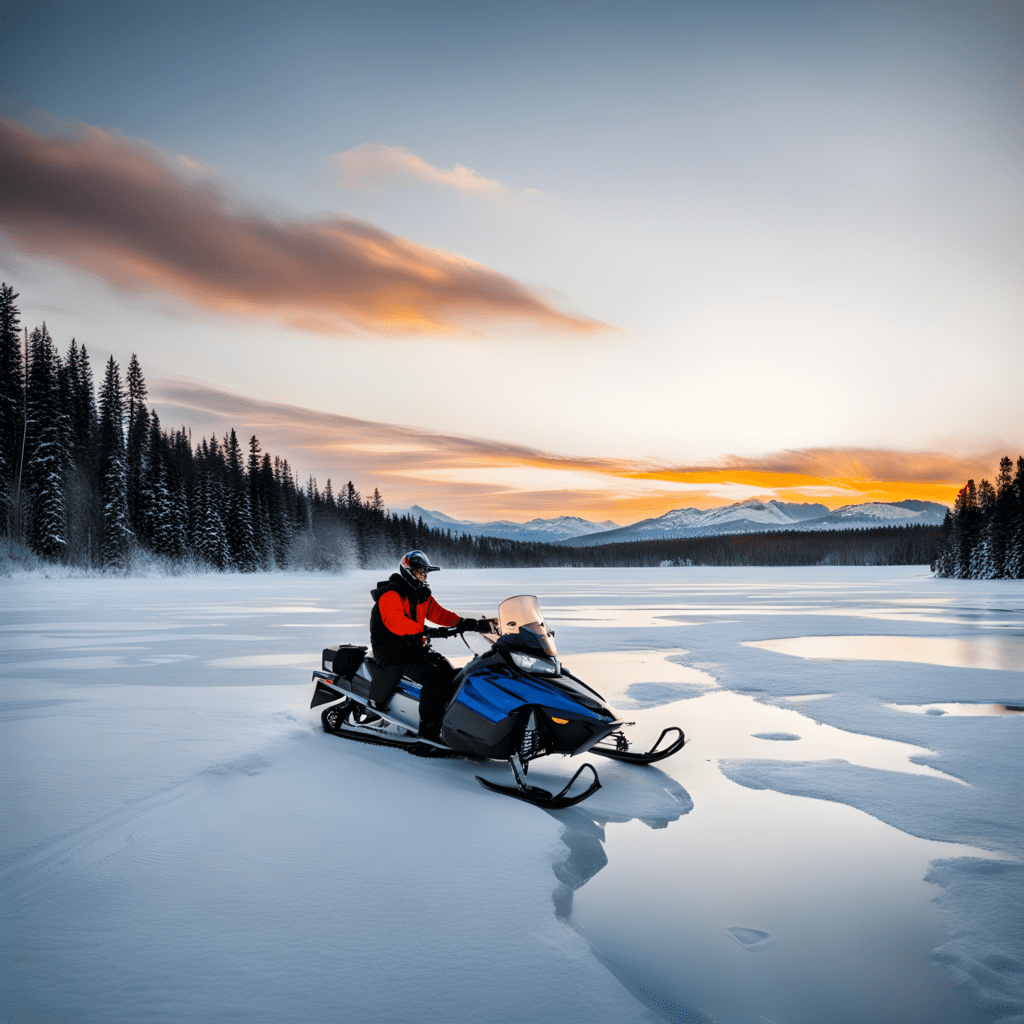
pixel 118 209
pixel 367 166
pixel 193 165
pixel 486 479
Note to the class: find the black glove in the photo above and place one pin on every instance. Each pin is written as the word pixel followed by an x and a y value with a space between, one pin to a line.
pixel 476 625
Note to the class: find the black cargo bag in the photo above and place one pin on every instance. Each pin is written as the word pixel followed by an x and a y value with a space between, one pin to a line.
pixel 343 659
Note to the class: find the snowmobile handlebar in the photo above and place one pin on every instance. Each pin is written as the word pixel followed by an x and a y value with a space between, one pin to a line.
pixel 464 626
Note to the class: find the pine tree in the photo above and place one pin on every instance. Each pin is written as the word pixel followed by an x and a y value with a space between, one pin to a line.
pixel 982 563
pixel 138 438
pixel 46 455
pixel 12 397
pixel 965 514
pixel 242 550
pixel 155 505
pixel 113 471
pixel 258 504
pixel 208 540
pixel 1015 546
pixel 277 512
pixel 84 507
pixel 350 498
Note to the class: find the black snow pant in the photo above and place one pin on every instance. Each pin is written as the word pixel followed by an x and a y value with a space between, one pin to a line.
pixel 437 687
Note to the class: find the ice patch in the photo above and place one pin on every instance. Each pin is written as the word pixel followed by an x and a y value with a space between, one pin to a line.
pixel 267 661
pixel 927 807
pixel 775 736
pixel 652 695
pixel 969 710
pixel 999 653
pixel 640 679
pixel 752 939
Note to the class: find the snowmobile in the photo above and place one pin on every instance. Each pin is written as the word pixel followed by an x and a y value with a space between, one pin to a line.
pixel 514 702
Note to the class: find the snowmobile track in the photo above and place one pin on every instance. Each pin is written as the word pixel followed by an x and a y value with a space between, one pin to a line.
pixel 418 749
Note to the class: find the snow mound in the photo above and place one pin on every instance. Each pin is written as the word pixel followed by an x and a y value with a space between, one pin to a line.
pixel 975 954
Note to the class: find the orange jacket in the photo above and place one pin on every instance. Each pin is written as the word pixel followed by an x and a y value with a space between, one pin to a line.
pixel 396 614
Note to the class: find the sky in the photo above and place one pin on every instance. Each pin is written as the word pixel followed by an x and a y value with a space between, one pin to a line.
pixel 520 259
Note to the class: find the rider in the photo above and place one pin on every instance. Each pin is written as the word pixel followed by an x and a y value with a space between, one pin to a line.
pixel 401 604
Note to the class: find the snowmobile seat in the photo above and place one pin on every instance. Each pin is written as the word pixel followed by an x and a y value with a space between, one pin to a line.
pixel 383 682
pixel 343 659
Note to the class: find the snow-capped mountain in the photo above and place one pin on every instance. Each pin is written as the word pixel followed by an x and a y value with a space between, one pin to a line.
pixel 550 531
pixel 756 516
pixel 751 516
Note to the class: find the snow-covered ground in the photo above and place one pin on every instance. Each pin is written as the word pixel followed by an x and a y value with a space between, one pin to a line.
pixel 841 841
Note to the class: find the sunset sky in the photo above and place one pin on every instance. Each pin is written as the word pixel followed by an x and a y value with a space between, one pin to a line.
pixel 539 258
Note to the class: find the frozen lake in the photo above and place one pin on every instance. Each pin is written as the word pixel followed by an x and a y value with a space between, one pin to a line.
pixel 840 841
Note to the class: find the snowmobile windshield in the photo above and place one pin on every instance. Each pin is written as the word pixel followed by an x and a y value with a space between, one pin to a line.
pixel 523 615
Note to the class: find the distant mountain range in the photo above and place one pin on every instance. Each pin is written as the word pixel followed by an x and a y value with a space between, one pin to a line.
pixel 547 531
pixel 759 516
pixel 744 517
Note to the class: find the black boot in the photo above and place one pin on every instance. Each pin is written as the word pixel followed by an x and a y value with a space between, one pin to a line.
pixel 431 731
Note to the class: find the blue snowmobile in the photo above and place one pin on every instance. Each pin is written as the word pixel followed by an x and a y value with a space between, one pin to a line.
pixel 514 702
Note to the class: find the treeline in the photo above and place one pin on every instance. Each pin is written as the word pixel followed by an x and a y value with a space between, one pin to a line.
pixel 883 545
pixel 983 535
pixel 91 478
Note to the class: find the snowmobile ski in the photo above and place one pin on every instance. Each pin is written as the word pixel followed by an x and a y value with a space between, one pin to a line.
pixel 621 751
pixel 541 797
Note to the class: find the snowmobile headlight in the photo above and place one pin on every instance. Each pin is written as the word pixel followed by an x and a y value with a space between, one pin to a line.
pixel 535 666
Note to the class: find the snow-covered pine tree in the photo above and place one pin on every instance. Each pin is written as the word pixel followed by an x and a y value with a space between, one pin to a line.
pixel 46 455
pixel 1015 546
pixel 137 448
pixel 238 525
pixel 943 563
pixel 117 533
pixel 12 397
pixel 84 507
pixel 965 514
pixel 280 526
pixel 207 538
pixel 178 461
pixel 261 537
pixel 1000 526
pixel 155 504
pixel 982 562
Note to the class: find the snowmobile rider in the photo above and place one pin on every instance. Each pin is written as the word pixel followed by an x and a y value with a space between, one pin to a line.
pixel 400 606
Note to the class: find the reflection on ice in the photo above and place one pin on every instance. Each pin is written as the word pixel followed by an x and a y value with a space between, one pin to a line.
pixel 960 709
pixel 606 615
pixel 640 679
pixel 654 799
pixel 831 899
pixel 1004 653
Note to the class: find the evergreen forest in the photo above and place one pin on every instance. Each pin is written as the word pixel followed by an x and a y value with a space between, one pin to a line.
pixel 90 478
pixel 983 534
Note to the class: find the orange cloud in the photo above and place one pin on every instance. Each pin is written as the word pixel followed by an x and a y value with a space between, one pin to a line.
pixel 364 166
pixel 485 479
pixel 120 210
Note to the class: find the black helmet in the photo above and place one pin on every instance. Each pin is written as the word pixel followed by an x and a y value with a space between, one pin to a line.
pixel 416 562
